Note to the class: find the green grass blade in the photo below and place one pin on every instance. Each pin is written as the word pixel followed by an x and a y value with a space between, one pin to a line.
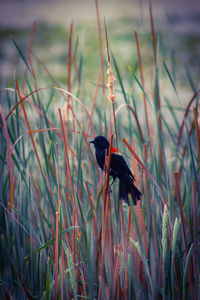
pixel 164 250
pixel 119 77
pixel 138 247
pixel 185 270
pixel 48 284
pixel 174 243
pixel 170 77
pixel 139 84
pixel 22 56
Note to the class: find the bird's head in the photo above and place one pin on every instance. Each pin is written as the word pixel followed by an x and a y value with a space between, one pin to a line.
pixel 100 142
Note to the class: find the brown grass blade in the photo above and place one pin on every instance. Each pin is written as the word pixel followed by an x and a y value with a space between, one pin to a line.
pixel 140 218
pixel 58 179
pixel 28 125
pixel 63 92
pixel 106 202
pixel 107 168
pixel 110 84
pixel 62 268
pixel 115 288
pixel 68 104
pixel 196 94
pixel 33 105
pixel 135 173
pixel 155 241
pixel 186 146
pixel 56 256
pixel 69 58
pixel 100 46
pixel 143 166
pixel 146 183
pixel 153 36
pixel 43 130
pixel 76 71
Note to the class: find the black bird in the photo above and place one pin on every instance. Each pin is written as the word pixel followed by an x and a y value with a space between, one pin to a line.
pixel 118 169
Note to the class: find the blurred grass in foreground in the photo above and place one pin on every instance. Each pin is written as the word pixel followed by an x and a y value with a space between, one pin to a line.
pixel 62 236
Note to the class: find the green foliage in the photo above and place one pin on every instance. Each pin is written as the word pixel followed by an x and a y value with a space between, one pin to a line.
pixel 164 248
pixel 105 250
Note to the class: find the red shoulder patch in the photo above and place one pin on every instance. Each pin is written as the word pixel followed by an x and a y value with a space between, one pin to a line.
pixel 114 150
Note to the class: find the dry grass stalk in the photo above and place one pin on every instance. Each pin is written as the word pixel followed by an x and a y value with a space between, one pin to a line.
pixel 145 169
pixel 107 168
pixel 28 124
pixel 100 46
pixel 57 232
pixel 69 59
pixel 115 289
pixel 110 85
pixel 106 200
pixel 153 36
pixel 137 211
pixel 146 183
pixel 155 240
pixel 76 72
pixel 62 273
pixel 56 256
pixel 186 146
pixel 21 101
pixel 196 94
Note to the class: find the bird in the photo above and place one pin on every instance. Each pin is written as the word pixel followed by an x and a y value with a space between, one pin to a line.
pixel 118 169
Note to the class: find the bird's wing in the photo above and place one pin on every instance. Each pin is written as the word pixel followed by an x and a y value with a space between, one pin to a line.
pixel 119 166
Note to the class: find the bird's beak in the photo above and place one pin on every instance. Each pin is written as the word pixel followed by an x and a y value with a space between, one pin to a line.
pixel 92 142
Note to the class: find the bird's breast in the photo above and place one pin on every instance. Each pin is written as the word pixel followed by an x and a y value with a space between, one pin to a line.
pixel 100 157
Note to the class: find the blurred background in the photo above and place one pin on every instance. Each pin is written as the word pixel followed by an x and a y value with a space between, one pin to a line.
pixel 176 22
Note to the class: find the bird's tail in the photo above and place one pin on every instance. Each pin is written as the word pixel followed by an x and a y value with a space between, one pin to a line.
pixel 126 188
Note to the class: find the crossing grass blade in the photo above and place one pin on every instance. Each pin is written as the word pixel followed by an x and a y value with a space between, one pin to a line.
pixel 21 54
pixel 170 77
pixel 119 78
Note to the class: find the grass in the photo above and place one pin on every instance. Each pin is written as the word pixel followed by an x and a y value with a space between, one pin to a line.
pixel 64 235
